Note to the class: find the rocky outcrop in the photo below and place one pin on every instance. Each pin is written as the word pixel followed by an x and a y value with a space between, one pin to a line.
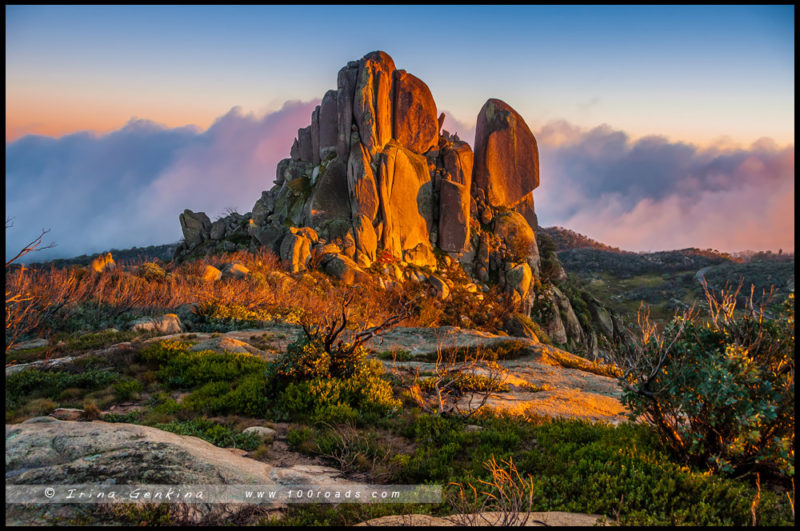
pixel 104 262
pixel 453 216
pixel 328 125
pixel 373 155
pixel 211 273
pixel 168 323
pixel 375 178
pixel 196 227
pixel 46 451
pixel 295 252
pixel 506 155
pixel 234 270
pixel 342 267
pixel 361 183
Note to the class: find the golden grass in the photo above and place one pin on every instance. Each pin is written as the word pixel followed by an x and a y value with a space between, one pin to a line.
pixel 40 298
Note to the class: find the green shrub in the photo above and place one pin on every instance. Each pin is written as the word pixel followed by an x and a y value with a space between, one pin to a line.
pixel 216 434
pixel 217 315
pixel 365 392
pixel 128 389
pixel 247 396
pixel 132 417
pixel 99 339
pixel 301 439
pixel 591 468
pixel 181 368
pixel 321 374
pixel 466 382
pixel 33 383
pixel 719 392
pixel 223 382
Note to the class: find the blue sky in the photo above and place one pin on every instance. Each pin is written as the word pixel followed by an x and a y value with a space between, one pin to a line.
pixel 655 123
pixel 689 72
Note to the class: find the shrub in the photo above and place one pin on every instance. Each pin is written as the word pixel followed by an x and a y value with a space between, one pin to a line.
pixel 128 389
pixel 321 398
pixel 50 384
pixel 216 434
pixel 223 382
pixel 181 368
pixel 321 373
pixel 548 256
pixel 466 382
pixel 721 391
pixel 151 271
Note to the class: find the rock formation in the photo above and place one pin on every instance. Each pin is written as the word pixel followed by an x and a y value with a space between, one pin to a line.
pixel 374 174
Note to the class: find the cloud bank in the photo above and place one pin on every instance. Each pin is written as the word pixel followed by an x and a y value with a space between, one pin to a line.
pixel 126 188
pixel 653 194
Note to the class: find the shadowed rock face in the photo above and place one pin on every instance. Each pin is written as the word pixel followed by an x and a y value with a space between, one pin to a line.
pixel 506 155
pixel 453 216
pixel 196 227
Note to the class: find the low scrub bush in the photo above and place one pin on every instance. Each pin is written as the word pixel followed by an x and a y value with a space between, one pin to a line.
pixel 151 271
pixel 364 393
pixel 128 388
pixel 33 383
pixel 322 374
pixel 217 434
pixel 720 390
pixel 221 382
pixel 466 382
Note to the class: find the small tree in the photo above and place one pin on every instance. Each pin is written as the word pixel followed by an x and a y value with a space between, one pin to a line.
pixel 719 390
pixel 22 316
pixel 323 351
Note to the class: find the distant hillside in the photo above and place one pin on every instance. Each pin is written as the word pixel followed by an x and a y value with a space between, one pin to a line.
pixel 627 264
pixel 667 280
pixel 565 239
pixel 144 254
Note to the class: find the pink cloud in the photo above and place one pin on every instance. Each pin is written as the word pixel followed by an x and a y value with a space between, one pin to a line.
pixel 652 194
pixel 128 187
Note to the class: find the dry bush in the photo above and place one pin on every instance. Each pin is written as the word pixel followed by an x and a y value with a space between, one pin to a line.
pixel 507 493
pixel 23 313
pixel 353 451
pixel 475 377
pixel 45 300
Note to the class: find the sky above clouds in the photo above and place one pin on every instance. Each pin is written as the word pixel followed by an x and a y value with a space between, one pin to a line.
pixel 658 127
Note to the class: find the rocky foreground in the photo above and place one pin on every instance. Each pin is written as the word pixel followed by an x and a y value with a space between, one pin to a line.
pixel 44 450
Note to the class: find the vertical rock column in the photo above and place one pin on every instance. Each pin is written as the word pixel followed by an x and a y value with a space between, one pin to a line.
pixel 372 104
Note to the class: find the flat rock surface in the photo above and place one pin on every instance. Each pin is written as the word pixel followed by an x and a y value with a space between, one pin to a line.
pixel 540 380
pixel 534 519
pixel 423 341
pixel 46 451
pixel 53 451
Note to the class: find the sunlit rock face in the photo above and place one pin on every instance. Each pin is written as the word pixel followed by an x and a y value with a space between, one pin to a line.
pixel 374 173
pixel 506 155
pixel 375 180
